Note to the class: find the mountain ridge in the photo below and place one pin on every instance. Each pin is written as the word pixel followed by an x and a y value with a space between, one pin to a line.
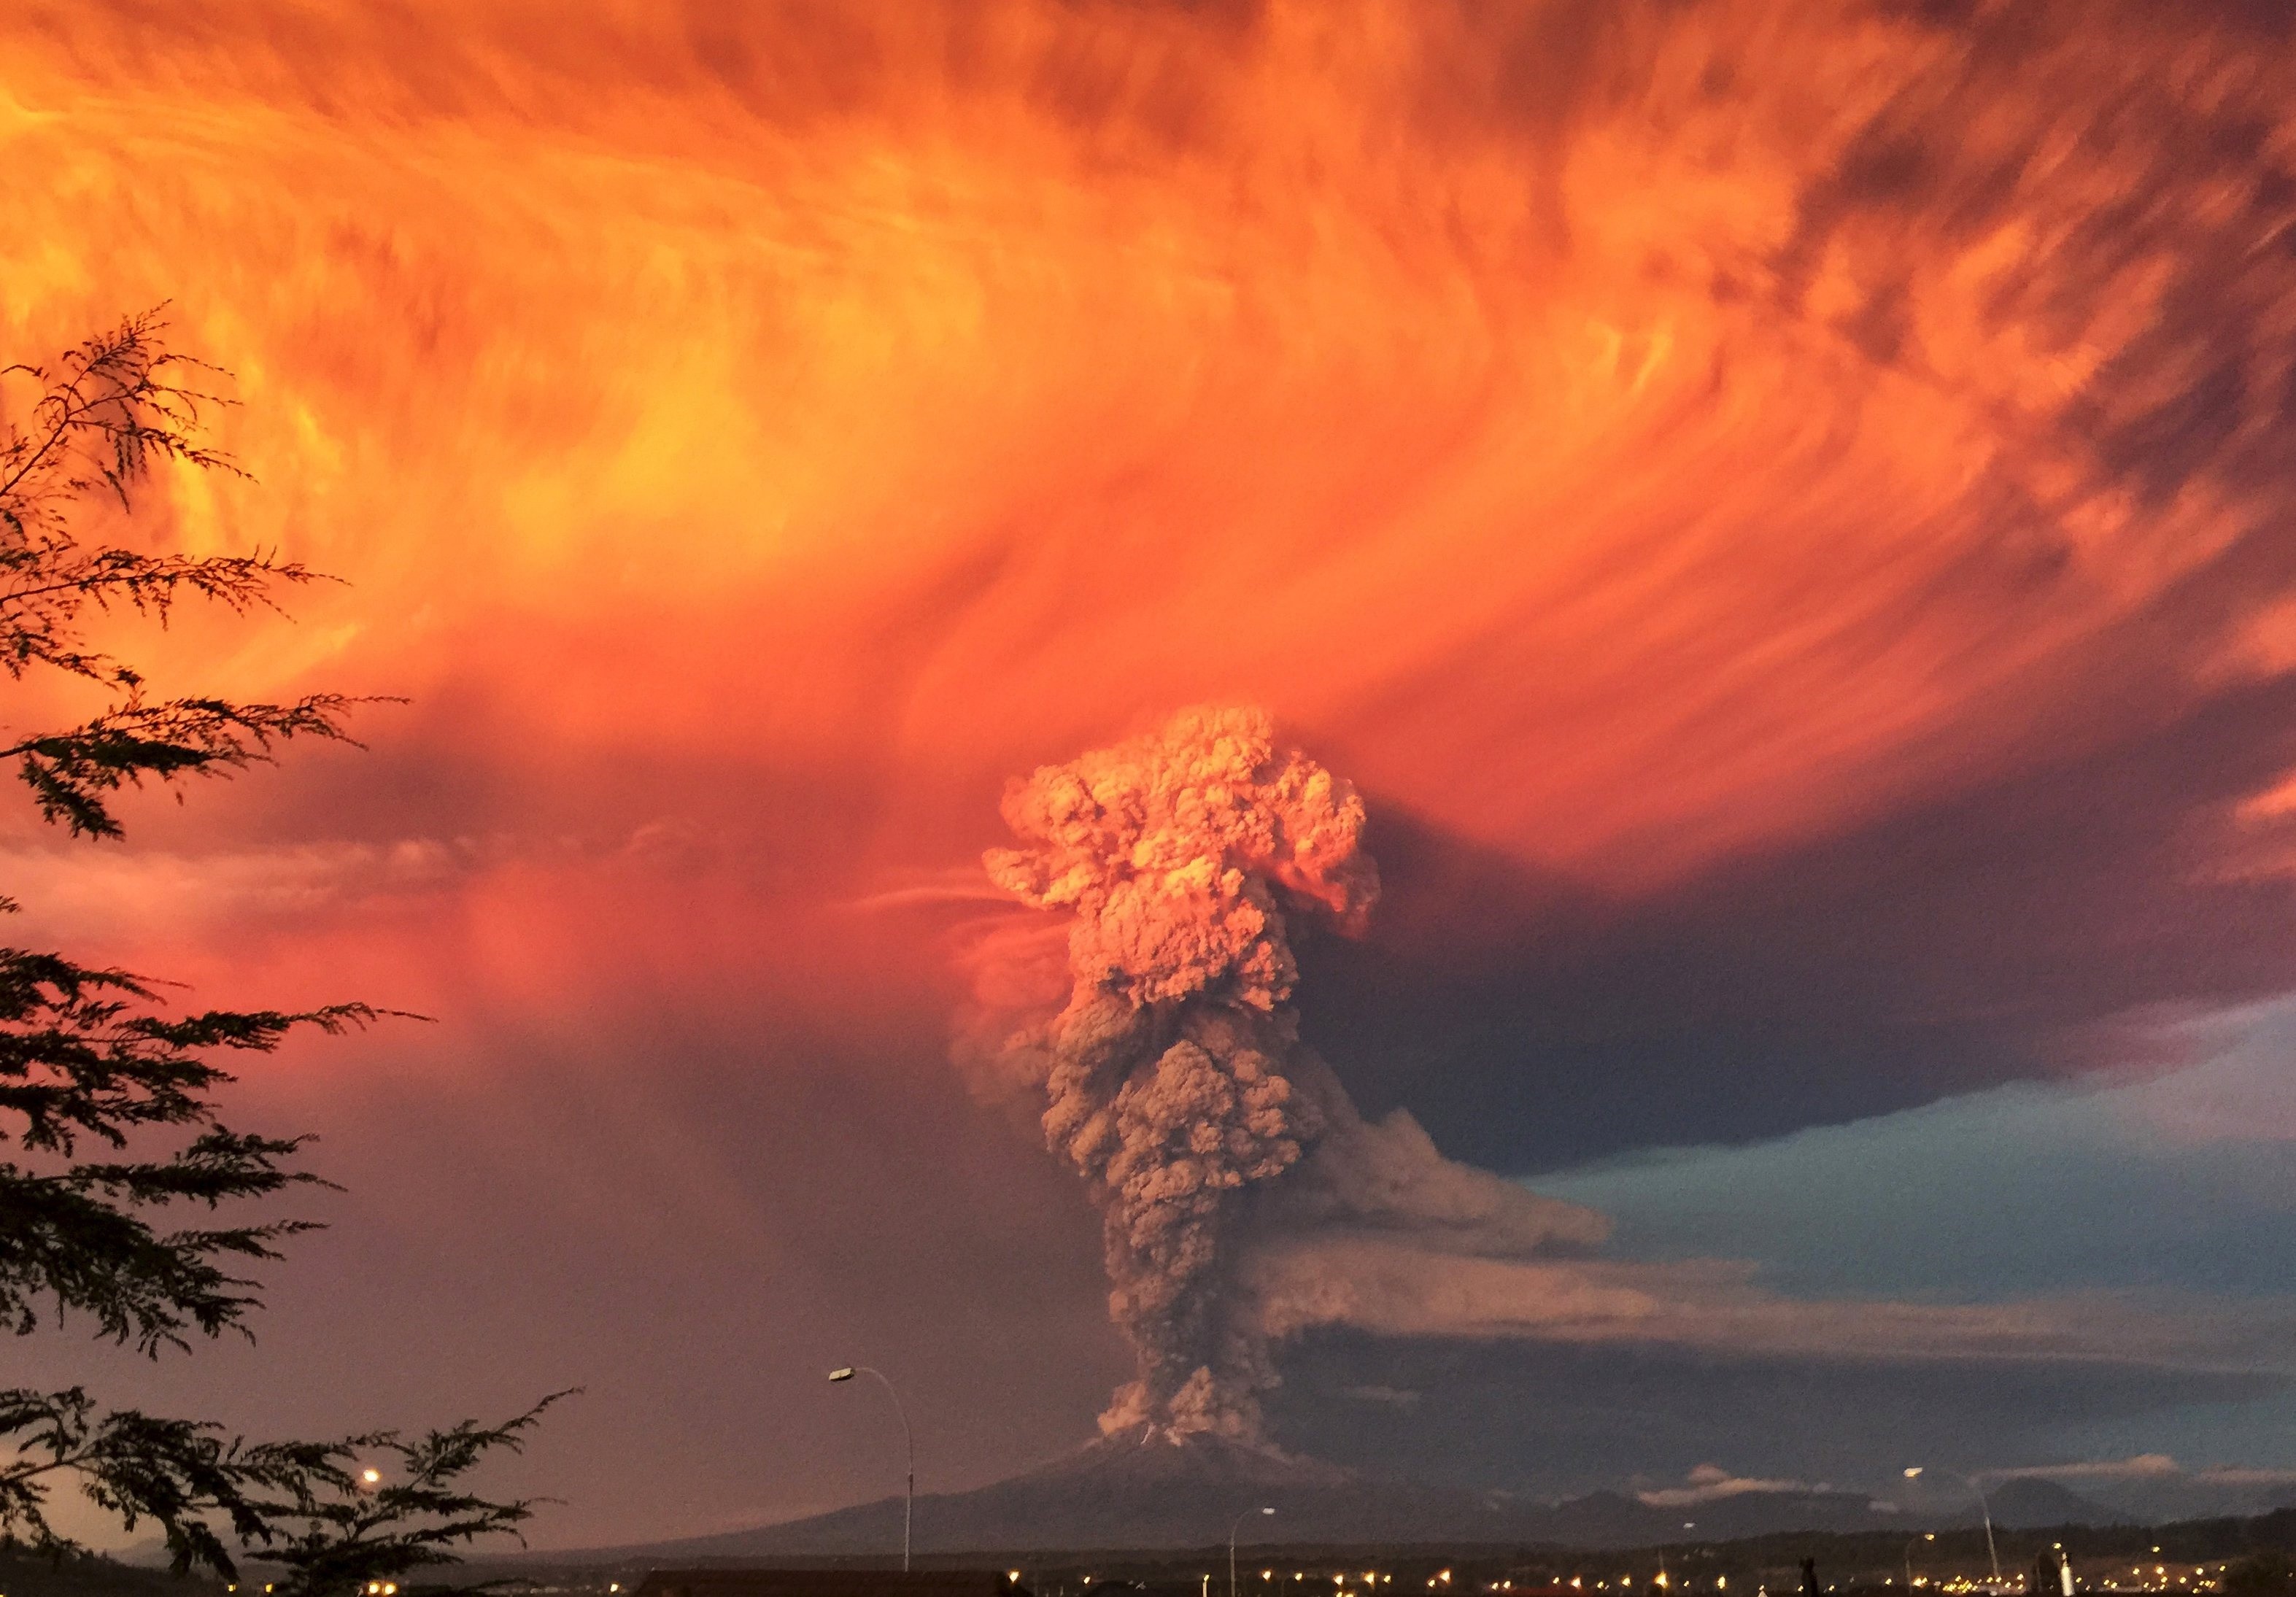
pixel 1152 1496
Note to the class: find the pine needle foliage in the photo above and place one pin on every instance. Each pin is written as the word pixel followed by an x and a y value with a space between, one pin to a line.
pixel 108 410
pixel 334 1529
pixel 109 1124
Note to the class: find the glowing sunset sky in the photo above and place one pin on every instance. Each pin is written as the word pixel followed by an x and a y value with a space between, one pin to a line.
pixel 1783 511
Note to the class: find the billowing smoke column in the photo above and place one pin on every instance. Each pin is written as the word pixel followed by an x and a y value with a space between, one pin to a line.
pixel 1176 1081
pixel 1244 1199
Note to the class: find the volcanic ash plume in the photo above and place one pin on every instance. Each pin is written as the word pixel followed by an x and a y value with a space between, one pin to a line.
pixel 1244 1199
pixel 1174 1074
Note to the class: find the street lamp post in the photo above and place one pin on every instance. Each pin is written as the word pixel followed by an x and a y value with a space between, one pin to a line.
pixel 1927 1536
pixel 908 1440
pixel 1232 1529
pixel 1983 1507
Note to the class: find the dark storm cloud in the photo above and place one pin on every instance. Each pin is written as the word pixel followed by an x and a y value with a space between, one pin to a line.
pixel 2019 918
pixel 2025 928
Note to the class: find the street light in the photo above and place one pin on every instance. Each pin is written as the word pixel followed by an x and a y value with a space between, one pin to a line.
pixel 1232 1529
pixel 908 1438
pixel 1983 1507
pixel 1927 1536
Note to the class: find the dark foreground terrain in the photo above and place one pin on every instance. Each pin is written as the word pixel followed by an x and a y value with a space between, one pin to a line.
pixel 2224 1554
pixel 25 1574
pixel 2236 1556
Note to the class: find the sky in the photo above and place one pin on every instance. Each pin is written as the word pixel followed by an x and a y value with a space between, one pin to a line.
pixel 1779 510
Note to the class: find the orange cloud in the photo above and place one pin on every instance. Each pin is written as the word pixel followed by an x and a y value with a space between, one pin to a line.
pixel 1625 441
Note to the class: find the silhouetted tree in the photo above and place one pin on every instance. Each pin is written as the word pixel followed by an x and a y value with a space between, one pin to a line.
pixel 93 1069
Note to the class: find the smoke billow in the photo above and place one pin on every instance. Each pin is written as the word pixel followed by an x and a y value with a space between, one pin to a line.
pixel 1245 1201
pixel 1174 1079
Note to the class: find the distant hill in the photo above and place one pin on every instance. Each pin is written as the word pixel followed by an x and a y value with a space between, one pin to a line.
pixel 2031 1501
pixel 1155 1495
pixel 2154 1500
pixel 31 1575
pixel 1874 1550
